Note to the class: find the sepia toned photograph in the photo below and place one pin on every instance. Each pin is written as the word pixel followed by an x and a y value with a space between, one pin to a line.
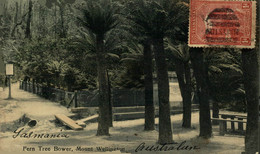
pixel 129 76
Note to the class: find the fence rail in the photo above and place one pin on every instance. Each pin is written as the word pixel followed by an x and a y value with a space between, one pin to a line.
pixel 119 97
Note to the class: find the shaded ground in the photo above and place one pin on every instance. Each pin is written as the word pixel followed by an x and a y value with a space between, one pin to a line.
pixel 126 135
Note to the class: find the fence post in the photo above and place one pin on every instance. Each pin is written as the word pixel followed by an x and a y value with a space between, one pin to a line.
pixel 36 88
pixel 20 84
pixel 28 86
pixel 25 86
pixel 76 98
pixel 64 95
pixel 33 86
pixel 135 98
pixel 39 91
pixel 240 124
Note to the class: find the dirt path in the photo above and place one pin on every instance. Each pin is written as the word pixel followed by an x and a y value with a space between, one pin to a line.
pixel 26 103
pixel 15 113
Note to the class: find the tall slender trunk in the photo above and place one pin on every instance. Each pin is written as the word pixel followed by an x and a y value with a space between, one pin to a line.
pixel 165 130
pixel 5 10
pixel 184 79
pixel 148 85
pixel 55 22
pixel 187 97
pixel 63 31
pixel 15 19
pixel 16 12
pixel 251 83
pixel 110 101
pixel 43 19
pixel 187 101
pixel 28 22
pixel 20 9
pixel 250 64
pixel 213 95
pixel 103 120
pixel 203 92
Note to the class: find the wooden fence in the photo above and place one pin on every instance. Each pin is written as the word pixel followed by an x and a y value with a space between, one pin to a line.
pixel 119 97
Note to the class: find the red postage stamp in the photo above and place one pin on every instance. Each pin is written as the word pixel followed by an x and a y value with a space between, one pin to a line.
pixel 219 23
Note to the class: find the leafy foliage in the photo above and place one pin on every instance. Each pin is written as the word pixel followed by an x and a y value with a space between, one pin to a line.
pixel 157 18
pixel 132 76
pixel 225 78
pixel 99 17
pixel 127 24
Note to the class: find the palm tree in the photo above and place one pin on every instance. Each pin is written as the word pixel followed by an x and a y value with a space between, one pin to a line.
pixel 147 57
pixel 156 19
pixel 85 42
pixel 143 54
pixel 181 59
pixel 56 69
pixel 99 17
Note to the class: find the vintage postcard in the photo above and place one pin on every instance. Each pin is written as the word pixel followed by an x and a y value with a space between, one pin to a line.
pixel 129 76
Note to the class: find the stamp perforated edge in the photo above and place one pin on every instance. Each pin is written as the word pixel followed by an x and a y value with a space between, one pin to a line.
pixel 253 32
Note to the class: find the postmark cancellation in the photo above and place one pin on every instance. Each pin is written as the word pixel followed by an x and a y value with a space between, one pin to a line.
pixel 222 23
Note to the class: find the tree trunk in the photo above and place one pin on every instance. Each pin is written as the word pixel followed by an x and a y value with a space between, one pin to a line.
pixel 212 93
pixel 110 101
pixel 55 18
pixel 148 84
pixel 184 79
pixel 250 64
pixel 251 83
pixel 42 18
pixel 187 97
pixel 165 130
pixel 63 31
pixel 203 91
pixel 15 18
pixel 28 23
pixel 103 120
pixel 20 10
